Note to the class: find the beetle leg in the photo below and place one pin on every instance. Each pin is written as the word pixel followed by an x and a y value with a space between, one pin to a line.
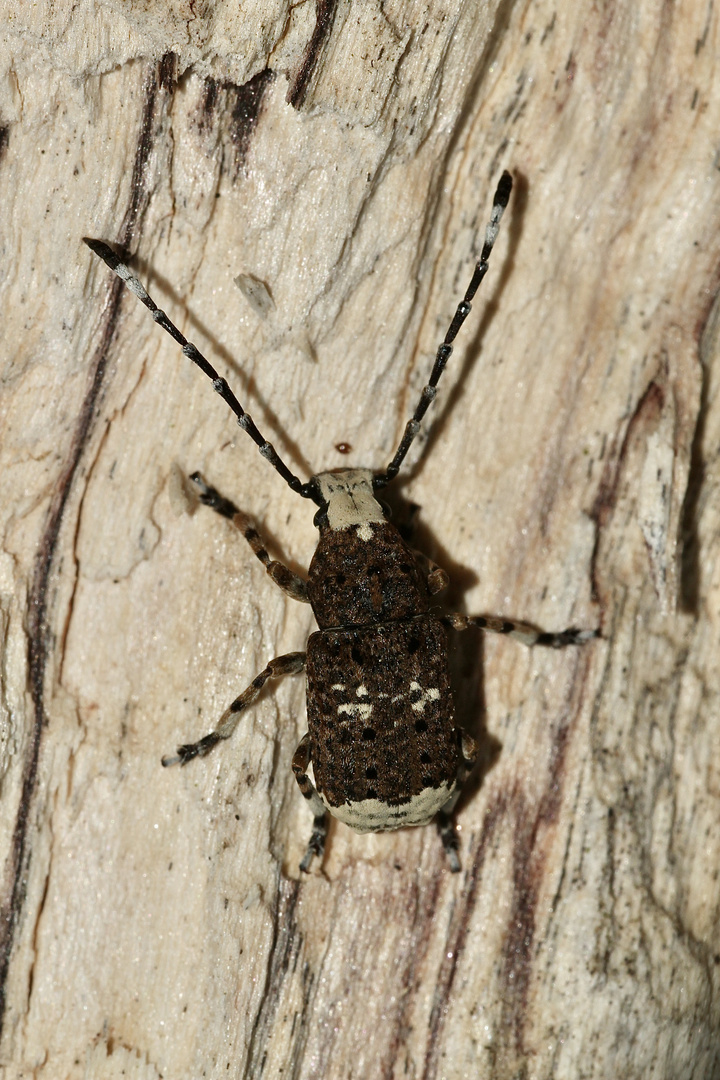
pixel 300 762
pixel 290 582
pixel 281 665
pixel 445 819
pixel 437 578
pixel 525 632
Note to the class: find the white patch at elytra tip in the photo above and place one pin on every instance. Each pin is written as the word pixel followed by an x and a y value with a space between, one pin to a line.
pixel 361 691
pixel 351 501
pixel 374 815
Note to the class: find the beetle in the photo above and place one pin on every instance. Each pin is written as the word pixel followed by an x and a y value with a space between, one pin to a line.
pixel 382 742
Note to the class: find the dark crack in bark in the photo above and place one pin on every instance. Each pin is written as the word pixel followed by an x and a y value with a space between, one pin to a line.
pixel 40 597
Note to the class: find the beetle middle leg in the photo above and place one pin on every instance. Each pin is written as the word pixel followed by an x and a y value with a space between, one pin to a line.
pixel 289 664
pixel 290 582
pixel 521 631
pixel 445 819
pixel 316 845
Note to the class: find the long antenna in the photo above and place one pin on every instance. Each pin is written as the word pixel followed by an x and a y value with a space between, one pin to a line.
pixel 220 386
pixel 502 195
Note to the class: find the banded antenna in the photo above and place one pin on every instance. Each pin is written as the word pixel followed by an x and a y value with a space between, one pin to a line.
pixel 246 422
pixel 309 489
pixel 500 201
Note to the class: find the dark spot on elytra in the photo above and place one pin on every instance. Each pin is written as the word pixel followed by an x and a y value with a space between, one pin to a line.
pixel 356 654
pixel 413 645
pixel 368 734
pixel 420 726
pixel 371 773
pixel 428 781
pixel 371 793
pixel 425 758
pixel 340 579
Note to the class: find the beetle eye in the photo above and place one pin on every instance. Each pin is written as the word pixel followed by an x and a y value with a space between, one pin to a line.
pixel 321 517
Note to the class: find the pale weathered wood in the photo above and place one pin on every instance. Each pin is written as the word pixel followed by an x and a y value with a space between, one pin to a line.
pixel 153 921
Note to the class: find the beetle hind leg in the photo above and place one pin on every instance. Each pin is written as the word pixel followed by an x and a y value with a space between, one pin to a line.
pixel 316 844
pixel 445 819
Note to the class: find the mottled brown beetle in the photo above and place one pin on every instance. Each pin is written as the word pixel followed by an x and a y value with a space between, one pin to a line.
pixel 381 739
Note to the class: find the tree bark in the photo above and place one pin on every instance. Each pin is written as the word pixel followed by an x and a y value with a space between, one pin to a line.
pixel 154 922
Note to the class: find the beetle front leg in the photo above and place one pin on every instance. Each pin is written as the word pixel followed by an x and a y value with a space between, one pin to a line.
pixel 316 845
pixel 285 578
pixel 289 664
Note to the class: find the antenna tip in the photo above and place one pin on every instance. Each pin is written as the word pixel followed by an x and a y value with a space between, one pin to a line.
pixel 502 195
pixel 101 249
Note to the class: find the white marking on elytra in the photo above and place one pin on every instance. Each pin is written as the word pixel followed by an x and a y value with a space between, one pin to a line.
pixel 433 694
pixel 361 691
pixel 350 501
pixel 356 708
pixel 338 686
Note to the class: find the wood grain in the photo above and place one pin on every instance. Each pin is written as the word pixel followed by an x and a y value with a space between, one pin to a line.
pixel 345 156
